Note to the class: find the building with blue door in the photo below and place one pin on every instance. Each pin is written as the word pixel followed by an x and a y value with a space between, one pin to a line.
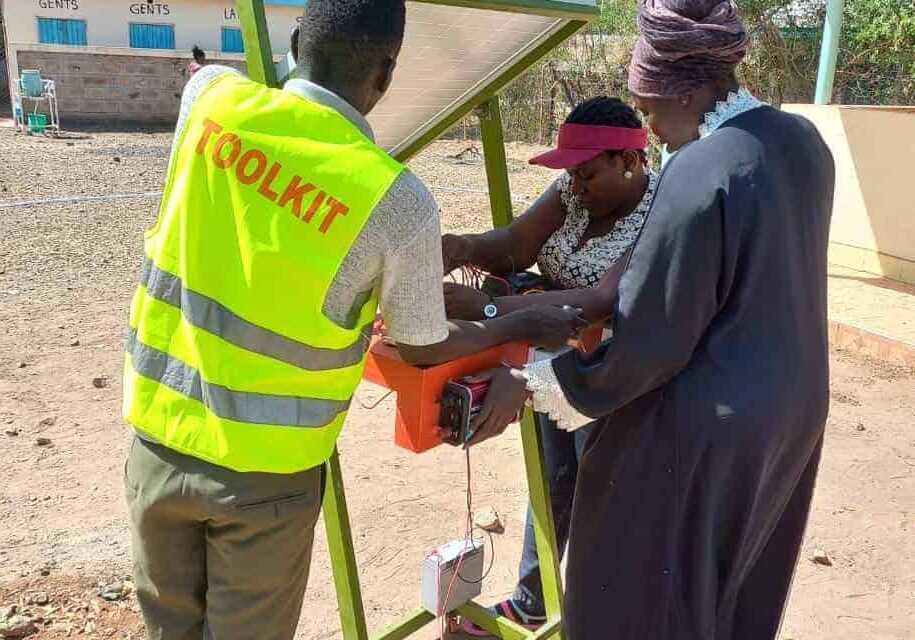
pixel 127 59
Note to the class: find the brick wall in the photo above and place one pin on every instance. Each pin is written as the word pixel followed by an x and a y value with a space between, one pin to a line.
pixel 119 88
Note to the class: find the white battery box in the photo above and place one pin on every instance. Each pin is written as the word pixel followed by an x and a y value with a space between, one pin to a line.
pixel 438 576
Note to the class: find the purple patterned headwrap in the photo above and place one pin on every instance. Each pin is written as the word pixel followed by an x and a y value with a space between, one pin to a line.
pixel 685 44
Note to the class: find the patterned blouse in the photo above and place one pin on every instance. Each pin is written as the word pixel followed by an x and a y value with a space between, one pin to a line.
pixel 570 268
pixel 547 394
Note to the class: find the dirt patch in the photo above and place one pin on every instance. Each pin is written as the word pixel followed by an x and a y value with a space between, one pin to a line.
pixel 67 607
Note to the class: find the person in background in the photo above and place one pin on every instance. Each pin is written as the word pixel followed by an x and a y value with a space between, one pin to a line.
pixel 712 395
pixel 579 232
pixel 200 59
pixel 282 228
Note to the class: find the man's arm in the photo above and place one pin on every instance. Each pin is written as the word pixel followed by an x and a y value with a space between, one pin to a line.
pixel 543 325
pixel 412 301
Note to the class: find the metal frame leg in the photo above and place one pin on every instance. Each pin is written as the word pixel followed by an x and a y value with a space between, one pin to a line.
pixel 500 200
pixel 342 554
pixel 258 55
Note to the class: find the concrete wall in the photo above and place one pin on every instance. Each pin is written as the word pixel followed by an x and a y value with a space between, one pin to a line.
pixel 873 224
pixel 109 87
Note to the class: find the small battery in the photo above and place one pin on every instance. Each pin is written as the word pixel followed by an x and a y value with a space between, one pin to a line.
pixel 438 576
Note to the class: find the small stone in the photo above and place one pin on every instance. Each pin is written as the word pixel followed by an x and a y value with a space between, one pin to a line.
pixel 48 422
pixel 100 383
pixel 44 442
pixel 821 558
pixel 40 598
pixel 12 432
pixel 861 427
pixel 22 365
pixel 117 159
pixel 488 520
pixel 75 343
pixel 115 591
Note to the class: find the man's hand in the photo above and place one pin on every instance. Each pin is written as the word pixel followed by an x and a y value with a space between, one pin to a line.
pixel 456 251
pixel 551 327
pixel 504 401
pixel 464 303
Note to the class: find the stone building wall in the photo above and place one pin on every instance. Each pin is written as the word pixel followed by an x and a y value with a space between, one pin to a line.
pixel 115 88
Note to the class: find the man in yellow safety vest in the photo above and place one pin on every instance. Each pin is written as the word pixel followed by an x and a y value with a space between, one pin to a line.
pixel 282 229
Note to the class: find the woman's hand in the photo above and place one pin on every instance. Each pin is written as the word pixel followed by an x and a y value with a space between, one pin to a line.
pixel 456 251
pixel 504 401
pixel 464 303
pixel 551 327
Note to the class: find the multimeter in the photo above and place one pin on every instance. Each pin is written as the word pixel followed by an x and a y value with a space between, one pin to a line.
pixel 461 402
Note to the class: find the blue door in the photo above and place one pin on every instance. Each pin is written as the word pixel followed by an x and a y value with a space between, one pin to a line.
pixel 152 36
pixel 60 31
pixel 232 41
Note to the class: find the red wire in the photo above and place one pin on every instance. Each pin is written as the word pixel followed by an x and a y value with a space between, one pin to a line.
pixel 468 541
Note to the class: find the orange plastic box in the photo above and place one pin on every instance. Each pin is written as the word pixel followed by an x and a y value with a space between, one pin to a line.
pixel 419 389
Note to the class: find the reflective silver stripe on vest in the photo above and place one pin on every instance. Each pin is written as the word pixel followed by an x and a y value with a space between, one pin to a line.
pixel 208 314
pixel 240 406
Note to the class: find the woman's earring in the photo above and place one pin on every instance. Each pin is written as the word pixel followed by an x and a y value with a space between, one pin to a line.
pixel 628 175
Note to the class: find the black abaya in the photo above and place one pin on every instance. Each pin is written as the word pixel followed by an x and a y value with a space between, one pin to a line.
pixel 711 397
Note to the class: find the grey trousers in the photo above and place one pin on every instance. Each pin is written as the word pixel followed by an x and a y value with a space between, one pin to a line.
pixel 218 553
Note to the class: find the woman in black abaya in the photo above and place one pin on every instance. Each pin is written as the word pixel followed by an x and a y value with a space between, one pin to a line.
pixel 711 398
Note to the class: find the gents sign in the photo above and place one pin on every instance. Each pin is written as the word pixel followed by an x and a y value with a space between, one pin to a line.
pixel 250 167
pixel 71 5
pixel 150 9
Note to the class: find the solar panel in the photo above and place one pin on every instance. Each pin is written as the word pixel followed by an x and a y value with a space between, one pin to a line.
pixel 452 54
pixel 456 55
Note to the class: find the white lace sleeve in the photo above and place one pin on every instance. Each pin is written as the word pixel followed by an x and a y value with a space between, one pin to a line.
pixel 547 396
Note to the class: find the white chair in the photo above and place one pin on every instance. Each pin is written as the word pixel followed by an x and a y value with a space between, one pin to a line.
pixel 32 91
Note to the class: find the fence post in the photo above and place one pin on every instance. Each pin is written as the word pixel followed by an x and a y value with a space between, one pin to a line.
pixel 829 51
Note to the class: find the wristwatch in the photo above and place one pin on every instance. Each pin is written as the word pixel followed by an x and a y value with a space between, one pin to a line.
pixel 490 311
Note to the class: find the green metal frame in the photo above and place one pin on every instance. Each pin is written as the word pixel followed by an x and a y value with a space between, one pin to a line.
pixel 336 517
pixel 500 200
pixel 549 8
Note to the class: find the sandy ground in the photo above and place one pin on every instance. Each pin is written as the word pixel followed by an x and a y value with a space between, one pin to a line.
pixel 66 274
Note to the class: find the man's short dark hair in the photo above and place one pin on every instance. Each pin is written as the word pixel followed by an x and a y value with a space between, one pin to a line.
pixel 351 32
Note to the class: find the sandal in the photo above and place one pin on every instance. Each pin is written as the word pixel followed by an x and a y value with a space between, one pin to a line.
pixel 508 609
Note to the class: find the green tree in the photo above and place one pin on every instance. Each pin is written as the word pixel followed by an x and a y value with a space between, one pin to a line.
pixel 876 60
pixel 877 54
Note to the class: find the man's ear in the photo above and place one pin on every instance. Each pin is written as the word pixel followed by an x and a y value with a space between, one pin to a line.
pixel 387 74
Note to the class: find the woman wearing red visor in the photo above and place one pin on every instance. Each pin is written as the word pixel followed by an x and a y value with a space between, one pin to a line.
pixel 579 232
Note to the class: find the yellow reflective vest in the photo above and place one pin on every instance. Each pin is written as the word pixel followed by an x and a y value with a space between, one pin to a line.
pixel 230 358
